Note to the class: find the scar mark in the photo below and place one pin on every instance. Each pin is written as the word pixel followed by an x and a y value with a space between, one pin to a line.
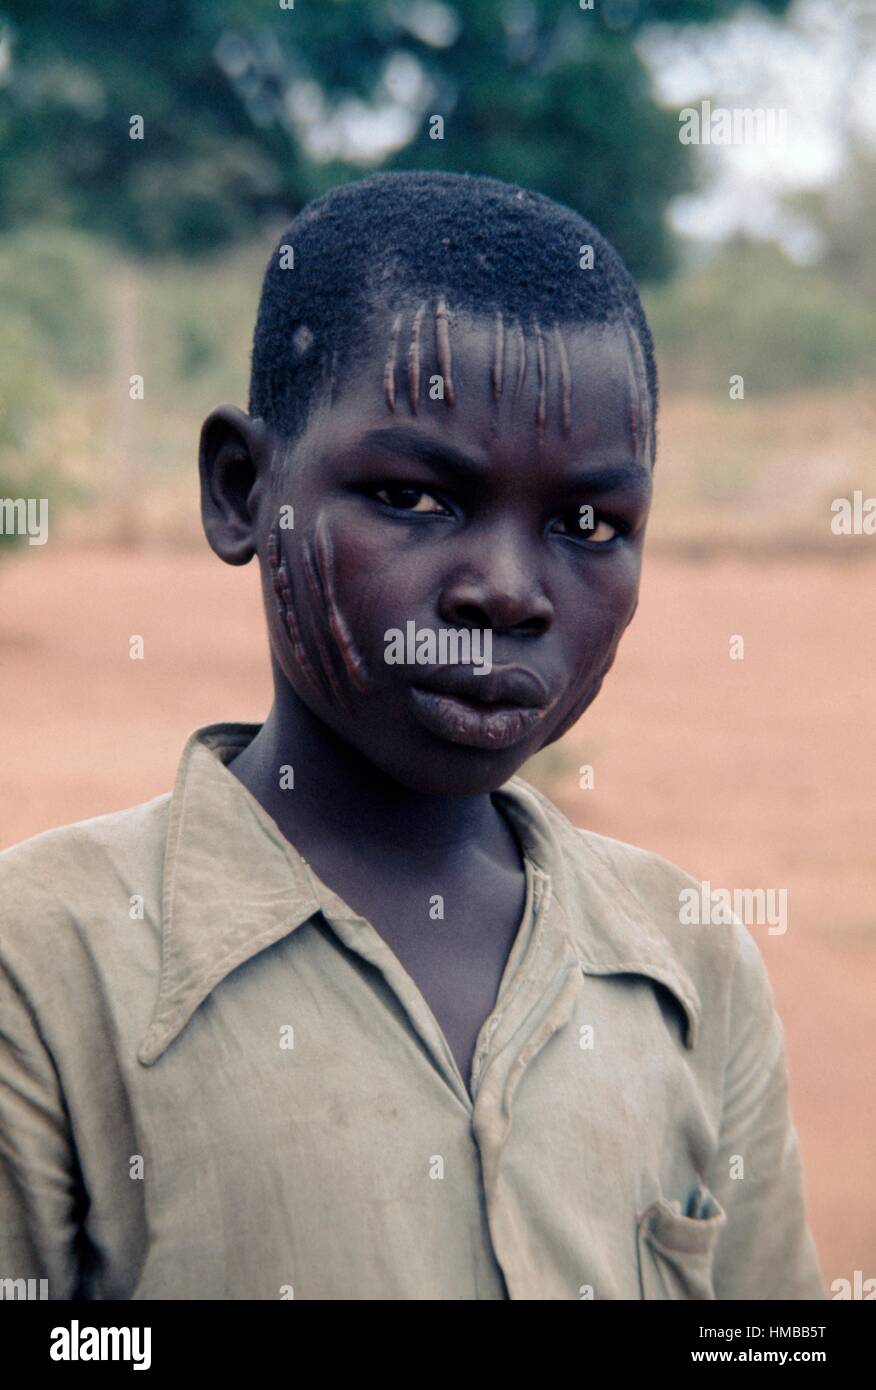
pixel 286 612
pixel 587 697
pixel 640 413
pixel 320 598
pixel 499 357
pixel 565 382
pixel 350 654
pixel 542 378
pixel 414 359
pixel 333 382
pixel 521 359
pixel 442 339
pixel 389 368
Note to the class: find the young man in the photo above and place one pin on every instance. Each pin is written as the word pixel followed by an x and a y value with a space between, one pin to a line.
pixel 390 1026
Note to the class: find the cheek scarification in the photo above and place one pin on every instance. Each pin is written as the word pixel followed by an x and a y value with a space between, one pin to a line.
pixel 286 614
pixel 317 594
pixel 321 675
pixel 322 551
pixel 584 700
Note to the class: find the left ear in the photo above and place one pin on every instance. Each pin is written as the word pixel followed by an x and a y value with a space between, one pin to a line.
pixel 234 463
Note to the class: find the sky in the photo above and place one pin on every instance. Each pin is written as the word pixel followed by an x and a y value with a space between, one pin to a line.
pixel 819 64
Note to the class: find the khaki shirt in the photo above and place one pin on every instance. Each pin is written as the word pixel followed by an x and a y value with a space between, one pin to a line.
pixel 218 1082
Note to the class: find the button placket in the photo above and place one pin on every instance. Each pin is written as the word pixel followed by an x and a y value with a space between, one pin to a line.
pixel 483 1050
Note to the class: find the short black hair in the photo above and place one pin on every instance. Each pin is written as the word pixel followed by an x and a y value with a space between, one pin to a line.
pixel 482 244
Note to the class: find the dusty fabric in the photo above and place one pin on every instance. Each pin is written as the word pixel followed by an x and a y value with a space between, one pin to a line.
pixel 217 1081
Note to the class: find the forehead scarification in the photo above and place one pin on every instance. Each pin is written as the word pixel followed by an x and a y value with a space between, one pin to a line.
pixel 507 363
pixel 389 365
pixel 414 359
pixel 540 404
pixel 641 434
pixel 498 356
pixel 520 343
pixel 442 341
pixel 565 382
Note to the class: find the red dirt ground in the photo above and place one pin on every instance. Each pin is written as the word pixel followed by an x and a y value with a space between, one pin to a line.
pixel 751 773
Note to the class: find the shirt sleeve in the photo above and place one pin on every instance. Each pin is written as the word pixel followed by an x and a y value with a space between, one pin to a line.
pixel 39 1187
pixel 765 1249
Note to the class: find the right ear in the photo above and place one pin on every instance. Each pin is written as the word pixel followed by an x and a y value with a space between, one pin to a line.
pixel 234 462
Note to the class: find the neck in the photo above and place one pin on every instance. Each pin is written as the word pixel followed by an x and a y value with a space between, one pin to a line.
pixel 339 794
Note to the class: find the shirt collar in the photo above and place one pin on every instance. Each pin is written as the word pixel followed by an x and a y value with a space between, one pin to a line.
pixel 612 931
pixel 233 885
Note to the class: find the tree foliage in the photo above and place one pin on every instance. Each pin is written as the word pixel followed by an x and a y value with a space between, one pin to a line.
pixel 234 93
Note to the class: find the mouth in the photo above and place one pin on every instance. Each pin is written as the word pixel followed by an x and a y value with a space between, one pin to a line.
pixel 493 712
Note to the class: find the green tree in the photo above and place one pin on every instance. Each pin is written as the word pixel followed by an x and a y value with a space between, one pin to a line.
pixel 234 92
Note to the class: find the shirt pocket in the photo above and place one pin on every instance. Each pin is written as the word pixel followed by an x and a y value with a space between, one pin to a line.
pixel 676 1251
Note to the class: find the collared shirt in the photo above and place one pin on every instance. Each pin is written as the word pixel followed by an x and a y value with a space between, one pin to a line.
pixel 217 1081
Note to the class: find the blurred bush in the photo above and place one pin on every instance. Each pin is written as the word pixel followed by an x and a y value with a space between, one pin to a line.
pixel 751 312
pixel 196 327
pixel 69 343
pixel 53 276
pixel 53 339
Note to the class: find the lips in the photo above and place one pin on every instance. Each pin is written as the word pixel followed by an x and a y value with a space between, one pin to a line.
pixel 494 712
pixel 508 685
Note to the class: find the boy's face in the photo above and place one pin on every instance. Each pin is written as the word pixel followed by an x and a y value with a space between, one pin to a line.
pixel 464 517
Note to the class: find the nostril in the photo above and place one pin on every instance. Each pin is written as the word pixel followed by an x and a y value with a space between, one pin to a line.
pixel 525 615
pixel 471 614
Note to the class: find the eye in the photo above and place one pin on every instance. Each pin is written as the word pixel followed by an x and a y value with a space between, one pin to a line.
pixel 409 499
pixel 587 525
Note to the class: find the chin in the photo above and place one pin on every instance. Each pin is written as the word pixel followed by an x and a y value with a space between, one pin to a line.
pixel 455 771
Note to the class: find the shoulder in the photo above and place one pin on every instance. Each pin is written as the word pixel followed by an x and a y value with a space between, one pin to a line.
pixel 86 844
pixel 78 875
pixel 594 861
pixel 638 902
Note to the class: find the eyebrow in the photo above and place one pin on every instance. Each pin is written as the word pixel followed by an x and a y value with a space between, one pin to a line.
pixel 436 454
pixel 442 457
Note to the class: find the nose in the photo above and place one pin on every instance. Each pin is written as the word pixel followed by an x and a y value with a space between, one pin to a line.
pixel 500 590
